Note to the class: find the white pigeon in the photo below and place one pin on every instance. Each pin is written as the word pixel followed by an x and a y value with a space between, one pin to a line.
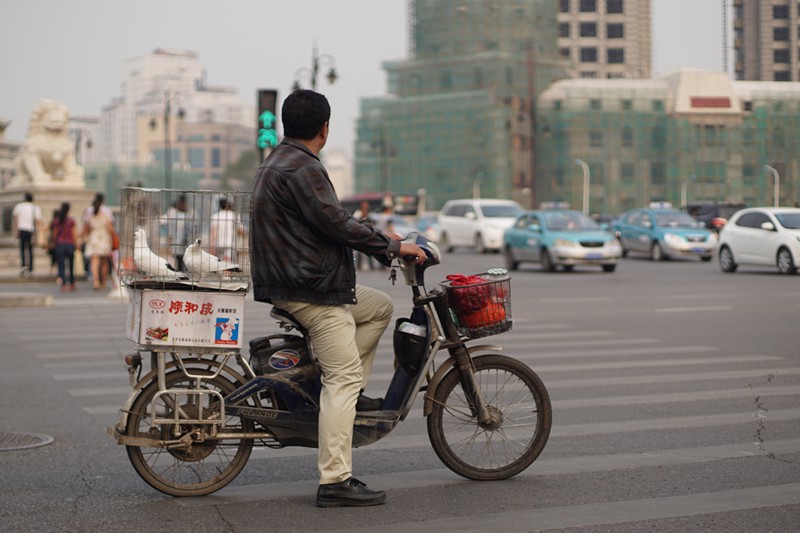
pixel 150 263
pixel 198 261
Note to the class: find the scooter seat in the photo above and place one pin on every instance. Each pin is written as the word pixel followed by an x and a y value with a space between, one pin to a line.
pixel 282 315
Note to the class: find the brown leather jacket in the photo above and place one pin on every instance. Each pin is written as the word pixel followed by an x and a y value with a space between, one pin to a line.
pixel 301 237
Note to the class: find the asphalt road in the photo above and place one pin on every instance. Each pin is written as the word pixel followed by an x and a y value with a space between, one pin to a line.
pixel 675 388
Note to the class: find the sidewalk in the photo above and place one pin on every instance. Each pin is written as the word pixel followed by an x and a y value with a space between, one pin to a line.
pixel 39 289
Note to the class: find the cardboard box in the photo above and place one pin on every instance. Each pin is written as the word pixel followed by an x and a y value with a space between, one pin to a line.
pixel 186 318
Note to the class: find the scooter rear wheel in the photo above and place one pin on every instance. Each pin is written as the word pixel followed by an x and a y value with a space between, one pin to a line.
pixel 521 406
pixel 205 466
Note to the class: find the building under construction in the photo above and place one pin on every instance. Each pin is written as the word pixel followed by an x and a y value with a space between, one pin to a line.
pixel 691 132
pixel 459 114
pixel 484 107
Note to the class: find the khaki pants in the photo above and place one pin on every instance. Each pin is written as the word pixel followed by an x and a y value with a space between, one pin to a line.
pixel 345 338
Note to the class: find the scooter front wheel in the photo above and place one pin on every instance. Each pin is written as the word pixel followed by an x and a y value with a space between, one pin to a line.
pixel 203 466
pixel 521 412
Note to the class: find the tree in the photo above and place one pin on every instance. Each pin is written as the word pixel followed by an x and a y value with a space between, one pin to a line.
pixel 239 174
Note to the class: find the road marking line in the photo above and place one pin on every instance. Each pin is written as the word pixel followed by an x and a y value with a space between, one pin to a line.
pixel 693 309
pixel 542 467
pixel 675 397
pixel 594 514
pixel 658 363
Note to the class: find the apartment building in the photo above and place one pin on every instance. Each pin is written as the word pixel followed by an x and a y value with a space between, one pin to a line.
pixel 766 40
pixel 606 38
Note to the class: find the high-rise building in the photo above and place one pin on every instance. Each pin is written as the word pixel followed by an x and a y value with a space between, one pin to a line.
pixel 459 114
pixel 605 38
pixel 8 152
pixel 161 90
pixel 766 40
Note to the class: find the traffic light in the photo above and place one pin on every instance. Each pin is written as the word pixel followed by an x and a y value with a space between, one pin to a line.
pixel 267 136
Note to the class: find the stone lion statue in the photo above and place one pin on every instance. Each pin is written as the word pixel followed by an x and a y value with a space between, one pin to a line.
pixel 48 155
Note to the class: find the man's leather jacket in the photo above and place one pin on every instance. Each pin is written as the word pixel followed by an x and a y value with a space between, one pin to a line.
pixel 301 237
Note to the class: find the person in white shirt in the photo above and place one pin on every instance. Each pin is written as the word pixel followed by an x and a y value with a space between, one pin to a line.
pixel 227 232
pixel 175 226
pixel 27 218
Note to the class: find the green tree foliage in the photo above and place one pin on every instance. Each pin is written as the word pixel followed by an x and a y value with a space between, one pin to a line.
pixel 239 175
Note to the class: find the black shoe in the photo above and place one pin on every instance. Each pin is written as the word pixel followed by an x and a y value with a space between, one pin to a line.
pixel 365 403
pixel 349 493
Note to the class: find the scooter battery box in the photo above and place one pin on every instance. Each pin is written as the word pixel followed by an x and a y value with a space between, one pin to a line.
pixel 278 352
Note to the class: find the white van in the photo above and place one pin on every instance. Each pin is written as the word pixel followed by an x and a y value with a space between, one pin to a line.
pixel 477 223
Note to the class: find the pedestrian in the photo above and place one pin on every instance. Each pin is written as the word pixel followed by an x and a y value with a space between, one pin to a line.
pixel 362 214
pixel 65 239
pixel 97 237
pixel 51 245
pixel 26 221
pixel 302 259
pixel 226 232
pixel 87 214
pixel 174 229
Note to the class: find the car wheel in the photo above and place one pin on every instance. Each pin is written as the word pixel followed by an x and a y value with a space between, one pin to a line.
pixel 547 262
pixel 786 262
pixel 511 263
pixel 478 243
pixel 609 268
pixel 726 262
pixel 444 243
pixel 569 268
pixel 657 253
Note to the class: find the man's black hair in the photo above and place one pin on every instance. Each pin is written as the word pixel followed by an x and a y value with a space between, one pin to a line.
pixel 303 114
pixel 28 197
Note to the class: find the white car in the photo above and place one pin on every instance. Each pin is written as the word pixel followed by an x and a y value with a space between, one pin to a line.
pixel 761 236
pixel 476 223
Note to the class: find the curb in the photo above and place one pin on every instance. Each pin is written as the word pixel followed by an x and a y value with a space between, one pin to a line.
pixel 25 299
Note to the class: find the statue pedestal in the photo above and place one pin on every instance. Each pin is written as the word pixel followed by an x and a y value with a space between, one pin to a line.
pixel 48 197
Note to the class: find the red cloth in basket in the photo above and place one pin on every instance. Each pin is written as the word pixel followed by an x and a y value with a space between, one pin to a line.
pixel 473 298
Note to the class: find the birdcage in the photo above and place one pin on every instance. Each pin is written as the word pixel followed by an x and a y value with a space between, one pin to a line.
pixel 176 239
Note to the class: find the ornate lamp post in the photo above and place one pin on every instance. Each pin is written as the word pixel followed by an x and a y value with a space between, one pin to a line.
pixel 168 99
pixel 316 60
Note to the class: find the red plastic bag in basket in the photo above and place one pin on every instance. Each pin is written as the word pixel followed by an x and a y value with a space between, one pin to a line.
pixel 472 298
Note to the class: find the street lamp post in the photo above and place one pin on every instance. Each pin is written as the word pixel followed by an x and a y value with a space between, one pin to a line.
pixel 384 151
pixel 316 60
pixel 167 138
pixel 776 185
pixel 684 186
pixel 79 144
pixel 586 183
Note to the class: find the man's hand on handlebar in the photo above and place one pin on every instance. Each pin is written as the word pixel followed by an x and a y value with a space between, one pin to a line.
pixel 411 253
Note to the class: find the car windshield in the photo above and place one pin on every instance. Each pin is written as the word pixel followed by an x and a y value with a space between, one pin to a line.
pixel 675 219
pixel 789 220
pixel 500 211
pixel 569 221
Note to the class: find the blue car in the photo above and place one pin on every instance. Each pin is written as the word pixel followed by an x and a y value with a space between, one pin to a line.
pixel 559 237
pixel 664 232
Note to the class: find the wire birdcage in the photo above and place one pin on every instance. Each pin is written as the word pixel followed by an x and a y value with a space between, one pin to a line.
pixel 176 239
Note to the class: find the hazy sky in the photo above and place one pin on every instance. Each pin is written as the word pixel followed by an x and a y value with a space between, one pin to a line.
pixel 74 51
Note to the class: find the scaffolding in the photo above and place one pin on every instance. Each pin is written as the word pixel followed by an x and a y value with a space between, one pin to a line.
pixel 460 111
pixel 650 140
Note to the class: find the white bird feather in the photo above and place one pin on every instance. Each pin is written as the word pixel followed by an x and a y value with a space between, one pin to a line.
pixel 198 261
pixel 150 263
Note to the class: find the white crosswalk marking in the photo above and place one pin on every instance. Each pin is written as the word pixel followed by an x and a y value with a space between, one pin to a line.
pixel 605 386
